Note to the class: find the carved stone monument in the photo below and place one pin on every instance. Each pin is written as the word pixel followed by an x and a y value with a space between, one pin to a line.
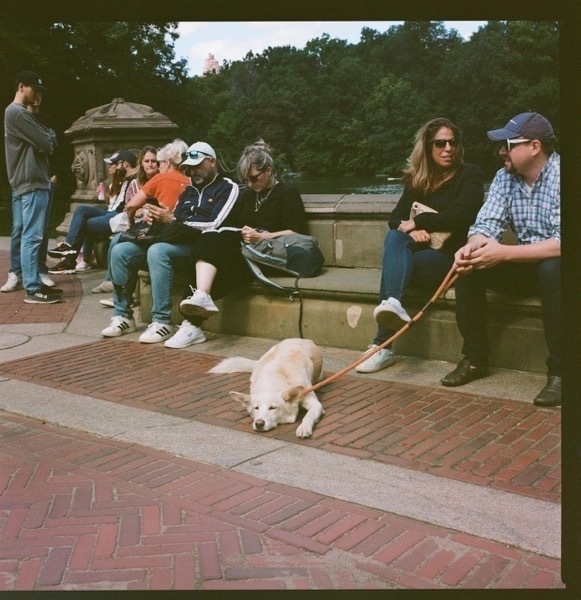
pixel 98 134
pixel 103 130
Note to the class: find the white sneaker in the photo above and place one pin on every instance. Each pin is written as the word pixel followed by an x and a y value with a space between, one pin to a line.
pixel 83 267
pixel 105 287
pixel 186 335
pixel 156 332
pixel 199 304
pixel 380 360
pixel 46 280
pixel 13 283
pixel 119 326
pixel 390 314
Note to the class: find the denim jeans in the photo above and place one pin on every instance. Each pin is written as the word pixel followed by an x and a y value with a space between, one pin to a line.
pixel 114 241
pixel 161 260
pixel 408 264
pixel 542 278
pixel 88 224
pixel 16 236
pixel 29 214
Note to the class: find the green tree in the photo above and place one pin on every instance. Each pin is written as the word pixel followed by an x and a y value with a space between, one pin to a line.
pixel 385 127
pixel 87 65
pixel 506 68
pixel 331 107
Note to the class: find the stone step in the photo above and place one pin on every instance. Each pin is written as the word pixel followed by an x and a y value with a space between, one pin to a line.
pixel 343 318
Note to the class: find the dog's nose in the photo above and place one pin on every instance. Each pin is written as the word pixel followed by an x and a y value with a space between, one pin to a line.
pixel 259 424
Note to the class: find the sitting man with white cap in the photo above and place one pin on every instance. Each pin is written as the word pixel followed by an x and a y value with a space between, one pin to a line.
pixel 524 196
pixel 205 204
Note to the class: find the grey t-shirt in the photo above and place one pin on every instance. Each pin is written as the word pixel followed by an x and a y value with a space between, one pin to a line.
pixel 28 146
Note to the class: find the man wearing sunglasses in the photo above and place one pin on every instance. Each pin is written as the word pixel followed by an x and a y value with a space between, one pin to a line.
pixel 525 196
pixel 203 205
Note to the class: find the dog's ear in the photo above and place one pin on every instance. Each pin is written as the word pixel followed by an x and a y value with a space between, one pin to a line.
pixel 293 395
pixel 244 399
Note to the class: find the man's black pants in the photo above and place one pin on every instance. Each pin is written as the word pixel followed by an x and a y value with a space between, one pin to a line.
pixel 540 279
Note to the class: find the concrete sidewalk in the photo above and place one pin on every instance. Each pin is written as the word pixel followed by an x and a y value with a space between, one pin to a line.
pixel 127 466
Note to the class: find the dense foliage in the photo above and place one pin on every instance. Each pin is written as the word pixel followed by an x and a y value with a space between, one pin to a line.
pixel 329 108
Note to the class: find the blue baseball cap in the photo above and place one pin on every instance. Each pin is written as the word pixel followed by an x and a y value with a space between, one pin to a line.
pixel 530 125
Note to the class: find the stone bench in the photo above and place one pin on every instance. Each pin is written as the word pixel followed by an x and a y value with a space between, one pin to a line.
pixel 336 308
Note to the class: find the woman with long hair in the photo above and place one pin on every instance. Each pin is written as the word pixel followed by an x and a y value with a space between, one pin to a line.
pixel 437 177
pixel 147 166
pixel 91 223
pixel 165 185
pixel 168 182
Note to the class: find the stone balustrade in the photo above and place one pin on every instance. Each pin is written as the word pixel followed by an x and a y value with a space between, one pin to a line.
pixel 336 308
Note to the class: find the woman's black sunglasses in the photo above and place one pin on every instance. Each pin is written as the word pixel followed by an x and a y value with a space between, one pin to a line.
pixel 442 143
pixel 254 178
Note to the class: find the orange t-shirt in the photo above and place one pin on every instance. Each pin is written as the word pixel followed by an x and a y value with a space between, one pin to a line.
pixel 166 187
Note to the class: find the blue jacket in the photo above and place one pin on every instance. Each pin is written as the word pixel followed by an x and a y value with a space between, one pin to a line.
pixel 209 207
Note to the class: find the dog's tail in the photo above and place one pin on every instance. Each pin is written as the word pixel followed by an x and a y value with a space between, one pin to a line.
pixel 234 364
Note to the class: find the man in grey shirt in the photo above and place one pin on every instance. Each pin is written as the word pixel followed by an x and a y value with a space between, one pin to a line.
pixel 28 146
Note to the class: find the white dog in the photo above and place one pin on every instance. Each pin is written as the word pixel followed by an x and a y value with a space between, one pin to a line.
pixel 277 383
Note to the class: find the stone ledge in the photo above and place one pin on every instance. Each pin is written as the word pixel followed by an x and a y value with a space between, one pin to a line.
pixel 364 283
pixel 336 309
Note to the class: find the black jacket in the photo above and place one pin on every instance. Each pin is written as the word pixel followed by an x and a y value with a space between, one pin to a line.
pixel 457 202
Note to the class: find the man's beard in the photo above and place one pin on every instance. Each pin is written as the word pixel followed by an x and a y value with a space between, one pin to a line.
pixel 509 168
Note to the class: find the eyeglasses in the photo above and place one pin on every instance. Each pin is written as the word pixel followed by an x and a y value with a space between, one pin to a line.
pixel 442 143
pixel 506 144
pixel 194 154
pixel 254 178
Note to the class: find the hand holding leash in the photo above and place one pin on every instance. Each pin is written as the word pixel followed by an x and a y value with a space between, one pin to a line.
pixel 444 286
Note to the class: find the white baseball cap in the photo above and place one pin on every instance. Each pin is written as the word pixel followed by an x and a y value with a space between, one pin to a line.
pixel 196 153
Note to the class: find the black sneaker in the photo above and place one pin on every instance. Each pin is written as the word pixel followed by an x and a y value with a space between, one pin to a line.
pixel 46 295
pixel 67 266
pixel 62 250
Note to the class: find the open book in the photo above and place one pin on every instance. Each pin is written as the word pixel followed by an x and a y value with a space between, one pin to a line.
pixel 220 229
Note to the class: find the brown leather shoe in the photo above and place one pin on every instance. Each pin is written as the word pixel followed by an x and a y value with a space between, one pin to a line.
pixel 550 395
pixel 464 373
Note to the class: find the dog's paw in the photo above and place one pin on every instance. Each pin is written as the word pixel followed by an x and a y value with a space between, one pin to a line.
pixel 304 430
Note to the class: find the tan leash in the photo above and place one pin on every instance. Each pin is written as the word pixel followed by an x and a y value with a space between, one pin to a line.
pixel 446 283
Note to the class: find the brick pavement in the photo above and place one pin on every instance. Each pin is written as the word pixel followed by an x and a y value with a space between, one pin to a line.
pixel 13 310
pixel 79 512
pixel 503 444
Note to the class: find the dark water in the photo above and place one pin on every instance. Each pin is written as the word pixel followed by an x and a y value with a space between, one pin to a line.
pixel 305 185
pixel 345 185
pixel 349 185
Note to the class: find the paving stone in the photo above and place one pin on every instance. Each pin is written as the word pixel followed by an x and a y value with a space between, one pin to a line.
pixel 80 512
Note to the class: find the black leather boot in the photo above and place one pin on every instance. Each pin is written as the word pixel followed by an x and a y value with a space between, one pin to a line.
pixel 464 373
pixel 550 395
